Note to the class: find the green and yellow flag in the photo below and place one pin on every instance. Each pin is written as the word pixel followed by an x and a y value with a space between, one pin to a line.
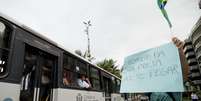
pixel 161 5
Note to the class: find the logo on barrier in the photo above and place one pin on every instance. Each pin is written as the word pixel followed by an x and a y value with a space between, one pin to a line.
pixel 79 97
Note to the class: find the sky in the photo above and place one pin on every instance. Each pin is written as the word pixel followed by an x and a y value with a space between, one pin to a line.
pixel 119 27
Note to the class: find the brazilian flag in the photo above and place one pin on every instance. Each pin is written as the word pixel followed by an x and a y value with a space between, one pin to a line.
pixel 161 5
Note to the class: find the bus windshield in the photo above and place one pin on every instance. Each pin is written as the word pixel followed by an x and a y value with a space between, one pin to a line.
pixel 4 37
pixel 2 34
pixel 4 48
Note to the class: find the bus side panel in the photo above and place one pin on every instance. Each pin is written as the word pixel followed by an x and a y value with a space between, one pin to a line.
pixel 116 97
pixel 9 92
pixel 77 95
pixel 55 94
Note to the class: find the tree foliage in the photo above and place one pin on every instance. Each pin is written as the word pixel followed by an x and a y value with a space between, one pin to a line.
pixel 107 64
pixel 110 66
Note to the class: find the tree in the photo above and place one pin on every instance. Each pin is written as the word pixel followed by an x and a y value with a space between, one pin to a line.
pixel 110 66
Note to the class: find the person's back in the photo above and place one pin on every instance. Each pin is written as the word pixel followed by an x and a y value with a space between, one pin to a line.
pixel 160 96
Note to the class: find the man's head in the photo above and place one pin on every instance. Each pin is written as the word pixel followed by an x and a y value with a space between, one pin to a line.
pixel 83 77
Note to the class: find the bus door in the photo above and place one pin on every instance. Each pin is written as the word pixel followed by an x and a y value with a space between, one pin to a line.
pixel 107 88
pixel 37 80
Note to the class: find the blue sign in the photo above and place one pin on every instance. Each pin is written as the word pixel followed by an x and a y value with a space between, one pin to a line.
pixel 154 70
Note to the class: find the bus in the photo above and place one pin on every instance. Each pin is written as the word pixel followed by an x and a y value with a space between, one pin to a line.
pixel 34 68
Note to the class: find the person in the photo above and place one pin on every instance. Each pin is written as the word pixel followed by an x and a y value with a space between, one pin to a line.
pixel 194 96
pixel 83 82
pixel 28 76
pixel 65 80
pixel 165 96
pixel 160 96
pixel 46 81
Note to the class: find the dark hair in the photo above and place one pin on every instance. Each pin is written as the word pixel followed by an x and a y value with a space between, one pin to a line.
pixel 170 94
pixel 81 75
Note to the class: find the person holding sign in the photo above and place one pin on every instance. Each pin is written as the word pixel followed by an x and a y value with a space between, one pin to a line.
pixel 156 70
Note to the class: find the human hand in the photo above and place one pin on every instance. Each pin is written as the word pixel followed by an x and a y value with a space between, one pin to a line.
pixel 87 79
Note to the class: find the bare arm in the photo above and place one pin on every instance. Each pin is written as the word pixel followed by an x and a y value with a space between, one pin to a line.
pixel 88 81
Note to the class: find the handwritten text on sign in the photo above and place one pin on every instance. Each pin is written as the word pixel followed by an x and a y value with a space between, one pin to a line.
pixel 154 70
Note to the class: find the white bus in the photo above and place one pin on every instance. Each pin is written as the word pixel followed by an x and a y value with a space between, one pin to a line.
pixel 32 68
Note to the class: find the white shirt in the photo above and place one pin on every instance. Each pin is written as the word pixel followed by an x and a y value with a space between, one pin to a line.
pixel 82 83
pixel 194 96
pixel 25 81
pixel 45 79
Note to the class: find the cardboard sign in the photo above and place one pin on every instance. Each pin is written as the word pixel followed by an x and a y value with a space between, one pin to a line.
pixel 154 70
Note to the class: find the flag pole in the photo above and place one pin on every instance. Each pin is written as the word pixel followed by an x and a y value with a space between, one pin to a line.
pixel 171 32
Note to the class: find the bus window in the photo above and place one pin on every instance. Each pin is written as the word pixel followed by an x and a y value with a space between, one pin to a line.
pixel 69 74
pixel 66 77
pixel 68 62
pixel 46 81
pixel 83 80
pixel 4 48
pixel 69 78
pixel 113 85
pixel 107 86
pixel 3 62
pixel 73 69
pixel 81 68
pixel 2 35
pixel 95 78
pixel 118 84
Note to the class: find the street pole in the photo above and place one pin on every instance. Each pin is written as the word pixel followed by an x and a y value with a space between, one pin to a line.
pixel 87 25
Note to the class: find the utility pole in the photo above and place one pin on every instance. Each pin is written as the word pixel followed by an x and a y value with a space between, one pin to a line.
pixel 87 25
